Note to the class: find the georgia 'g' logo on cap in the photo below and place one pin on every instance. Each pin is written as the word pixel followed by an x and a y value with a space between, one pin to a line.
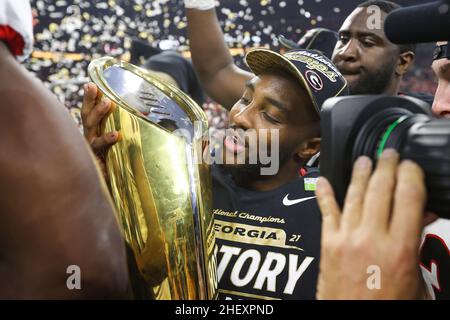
pixel 314 80
pixel 314 62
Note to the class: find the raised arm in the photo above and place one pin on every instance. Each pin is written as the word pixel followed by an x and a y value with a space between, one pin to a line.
pixel 222 80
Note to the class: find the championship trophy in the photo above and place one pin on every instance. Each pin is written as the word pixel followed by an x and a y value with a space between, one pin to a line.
pixel 161 191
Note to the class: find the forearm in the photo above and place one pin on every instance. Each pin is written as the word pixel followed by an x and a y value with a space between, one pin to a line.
pixel 221 78
pixel 210 53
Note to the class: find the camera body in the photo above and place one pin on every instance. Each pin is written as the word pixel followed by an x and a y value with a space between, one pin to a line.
pixel 367 125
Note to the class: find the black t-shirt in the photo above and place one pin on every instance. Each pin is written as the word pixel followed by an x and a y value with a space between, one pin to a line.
pixel 268 242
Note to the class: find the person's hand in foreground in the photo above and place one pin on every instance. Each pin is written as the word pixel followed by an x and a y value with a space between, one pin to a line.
pixel 370 250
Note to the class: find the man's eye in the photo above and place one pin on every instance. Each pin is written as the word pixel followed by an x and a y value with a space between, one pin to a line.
pixel 343 38
pixel 270 118
pixel 245 100
pixel 367 43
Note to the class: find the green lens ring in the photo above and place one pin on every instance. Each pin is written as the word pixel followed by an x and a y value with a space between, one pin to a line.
pixel 387 134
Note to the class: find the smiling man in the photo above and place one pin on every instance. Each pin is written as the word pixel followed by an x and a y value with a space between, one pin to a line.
pixel 267 226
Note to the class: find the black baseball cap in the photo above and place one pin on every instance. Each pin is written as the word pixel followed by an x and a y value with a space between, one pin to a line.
pixel 315 72
pixel 320 39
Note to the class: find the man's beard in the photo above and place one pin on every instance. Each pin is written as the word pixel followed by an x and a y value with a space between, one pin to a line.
pixel 254 170
pixel 375 83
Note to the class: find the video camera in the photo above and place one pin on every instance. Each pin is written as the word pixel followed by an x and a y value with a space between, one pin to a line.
pixel 367 125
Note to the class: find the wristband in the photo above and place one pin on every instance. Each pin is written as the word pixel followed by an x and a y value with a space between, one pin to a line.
pixel 200 4
pixel 16 27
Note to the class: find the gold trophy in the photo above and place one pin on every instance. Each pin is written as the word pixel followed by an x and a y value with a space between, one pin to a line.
pixel 161 191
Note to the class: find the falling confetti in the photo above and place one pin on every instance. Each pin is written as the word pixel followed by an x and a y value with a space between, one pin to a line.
pixel 71 33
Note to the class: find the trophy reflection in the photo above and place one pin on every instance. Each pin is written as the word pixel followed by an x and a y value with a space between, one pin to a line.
pixel 162 195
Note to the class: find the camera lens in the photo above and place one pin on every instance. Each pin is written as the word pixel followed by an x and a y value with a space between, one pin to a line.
pixel 416 137
pixel 367 125
pixel 386 129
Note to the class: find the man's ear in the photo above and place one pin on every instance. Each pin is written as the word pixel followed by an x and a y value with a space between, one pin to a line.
pixel 405 62
pixel 309 148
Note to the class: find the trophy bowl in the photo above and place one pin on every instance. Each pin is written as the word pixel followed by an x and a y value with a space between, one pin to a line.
pixel 161 192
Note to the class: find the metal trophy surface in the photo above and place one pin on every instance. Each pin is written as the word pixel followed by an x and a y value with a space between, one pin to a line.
pixel 162 195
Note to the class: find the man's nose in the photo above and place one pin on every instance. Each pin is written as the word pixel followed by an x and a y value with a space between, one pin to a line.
pixel 349 52
pixel 244 117
pixel 441 104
